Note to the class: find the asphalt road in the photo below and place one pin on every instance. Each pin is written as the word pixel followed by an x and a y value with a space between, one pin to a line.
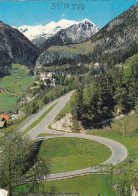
pixel 49 118
pixel 119 152
pixel 42 127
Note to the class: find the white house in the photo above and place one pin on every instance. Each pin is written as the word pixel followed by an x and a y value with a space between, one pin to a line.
pixel 42 76
pixel 46 76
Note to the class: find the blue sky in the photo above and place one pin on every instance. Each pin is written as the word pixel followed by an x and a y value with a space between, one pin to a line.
pixel 100 12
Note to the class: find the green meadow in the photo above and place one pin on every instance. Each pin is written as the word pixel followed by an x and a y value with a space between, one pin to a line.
pixel 7 102
pixel 68 154
pixel 90 185
pixel 123 130
pixel 14 86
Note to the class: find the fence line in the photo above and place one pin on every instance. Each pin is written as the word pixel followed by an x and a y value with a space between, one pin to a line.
pixel 70 176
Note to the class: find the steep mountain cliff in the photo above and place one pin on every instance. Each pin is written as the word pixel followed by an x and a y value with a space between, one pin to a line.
pixel 16 48
pixel 113 44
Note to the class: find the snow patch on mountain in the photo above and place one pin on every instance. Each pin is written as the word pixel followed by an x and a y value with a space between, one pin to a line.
pixel 32 32
pixel 44 32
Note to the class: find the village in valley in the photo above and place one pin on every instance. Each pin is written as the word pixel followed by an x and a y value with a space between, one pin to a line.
pixel 45 78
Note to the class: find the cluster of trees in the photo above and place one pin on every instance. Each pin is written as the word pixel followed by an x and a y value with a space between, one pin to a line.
pixel 109 92
pixel 20 164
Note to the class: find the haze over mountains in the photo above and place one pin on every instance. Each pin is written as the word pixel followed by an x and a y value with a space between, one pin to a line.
pixel 59 32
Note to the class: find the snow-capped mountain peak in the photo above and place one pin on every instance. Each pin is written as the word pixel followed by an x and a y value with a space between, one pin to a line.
pixel 65 23
pixel 86 20
pixel 42 33
pixel 31 32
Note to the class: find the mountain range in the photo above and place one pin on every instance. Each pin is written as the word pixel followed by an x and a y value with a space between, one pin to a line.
pixel 16 44
pixel 70 42
pixel 113 44
pixel 59 32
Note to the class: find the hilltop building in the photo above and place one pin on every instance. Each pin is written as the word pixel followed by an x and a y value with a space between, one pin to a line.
pixel 47 79
pixel 45 76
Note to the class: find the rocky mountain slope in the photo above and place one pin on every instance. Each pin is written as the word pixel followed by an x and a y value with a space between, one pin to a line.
pixel 39 34
pixel 118 39
pixel 16 48
pixel 58 58
pixel 112 44
pixel 76 33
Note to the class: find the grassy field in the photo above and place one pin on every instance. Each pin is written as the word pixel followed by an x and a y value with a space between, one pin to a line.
pixel 39 119
pixel 22 108
pixel 90 185
pixel 123 130
pixel 68 154
pixel 82 48
pixel 7 102
pixel 14 86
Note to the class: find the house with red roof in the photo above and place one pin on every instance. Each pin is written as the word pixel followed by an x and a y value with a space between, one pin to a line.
pixel 3 119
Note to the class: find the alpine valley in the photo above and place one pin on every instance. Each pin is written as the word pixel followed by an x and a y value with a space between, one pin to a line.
pixel 68 48
pixel 69 42
pixel 113 44
pixel 16 46
pixel 69 79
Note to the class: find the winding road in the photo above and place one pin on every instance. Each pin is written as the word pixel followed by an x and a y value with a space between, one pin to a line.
pixel 119 152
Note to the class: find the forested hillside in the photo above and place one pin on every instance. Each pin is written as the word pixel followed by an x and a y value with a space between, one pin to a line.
pixel 110 93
